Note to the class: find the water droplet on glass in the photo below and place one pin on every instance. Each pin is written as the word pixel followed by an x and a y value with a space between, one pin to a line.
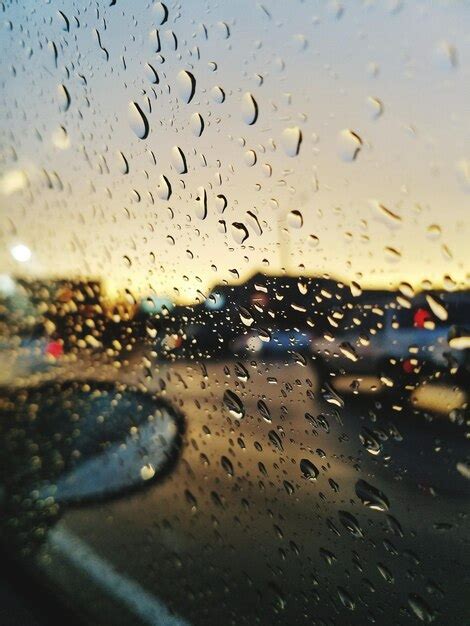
pixel 241 372
pixel 201 203
pixel 64 97
pixel 346 599
pixel 375 107
pixel 138 121
pixel 349 145
pixel 164 188
pixel 197 124
pixel 152 74
pixel 332 397
pixel 245 316
pixel 161 13
pixel 446 55
pixel 291 139
pixel 308 469
pixel 371 497
pixel 239 232
pixel 264 410
pixel 275 440
pixel 186 85
pixel 386 573
pixel 234 405
pixel 350 523
pixel 434 231
pixel 227 465
pixel 437 308
pixel 220 203
pixel 370 441
pixel 295 219
pixel 249 109
pixel 218 94
pixel 420 608
pixel 178 160
pixel 348 350
pixel 250 158
pixel 122 163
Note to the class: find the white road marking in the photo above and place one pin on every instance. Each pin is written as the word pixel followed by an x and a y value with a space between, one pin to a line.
pixel 134 597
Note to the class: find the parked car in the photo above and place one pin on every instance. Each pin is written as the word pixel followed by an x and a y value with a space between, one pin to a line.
pixel 403 344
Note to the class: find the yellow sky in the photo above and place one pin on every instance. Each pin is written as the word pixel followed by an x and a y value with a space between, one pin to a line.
pixel 90 198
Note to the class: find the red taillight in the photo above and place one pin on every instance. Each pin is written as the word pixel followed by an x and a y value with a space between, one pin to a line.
pixel 421 317
pixel 54 349
pixel 408 366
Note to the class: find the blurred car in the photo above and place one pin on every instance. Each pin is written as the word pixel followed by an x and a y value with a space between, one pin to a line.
pixel 28 343
pixel 264 315
pixel 403 344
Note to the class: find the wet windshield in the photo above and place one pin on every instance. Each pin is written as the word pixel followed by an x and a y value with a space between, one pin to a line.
pixel 235 310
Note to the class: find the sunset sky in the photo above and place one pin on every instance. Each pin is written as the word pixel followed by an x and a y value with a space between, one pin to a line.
pixel 357 164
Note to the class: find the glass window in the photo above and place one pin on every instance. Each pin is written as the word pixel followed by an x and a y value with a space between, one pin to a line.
pixel 235 310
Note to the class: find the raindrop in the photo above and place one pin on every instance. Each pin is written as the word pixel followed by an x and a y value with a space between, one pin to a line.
pixel 275 440
pixel 375 107
pixel 224 29
pixel 201 203
pixel 446 55
pixel 356 289
pixel 66 23
pixel 346 599
pixel 138 121
pixel 350 523
pixel 385 212
pixel 299 359
pixel 178 160
pixel 234 404
pixel 434 231
pixel 60 138
pixel 239 232
pixel 291 139
pixel 332 397
pixel 437 308
pixel 349 145
pixel 197 124
pixel 370 441
pixel 289 487
pixel 392 255
pixel 241 372
pixel 394 525
pixel 327 556
pixel 217 94
pixel 221 203
pixel 122 163
pixel 154 37
pixel 249 109
pixel 164 188
pixel 295 219
pixel 349 351
pixel 64 97
pixel 385 572
pixel 420 608
pixel 308 469
pixel 152 74
pixel 186 85
pixel 227 465
pixel 371 497
pixel 161 13
pixel 245 316
pixel 250 158
pixel 264 335
pixel 264 410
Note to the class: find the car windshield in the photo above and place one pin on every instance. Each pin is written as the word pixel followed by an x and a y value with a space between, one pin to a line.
pixel 234 312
